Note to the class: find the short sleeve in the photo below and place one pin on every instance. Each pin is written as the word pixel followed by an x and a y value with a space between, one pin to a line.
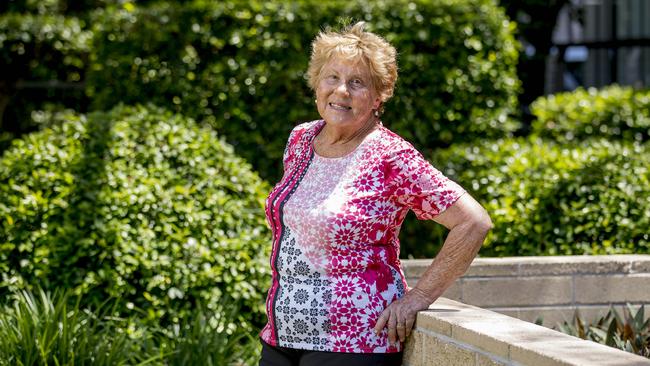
pixel 289 155
pixel 416 184
pixel 286 158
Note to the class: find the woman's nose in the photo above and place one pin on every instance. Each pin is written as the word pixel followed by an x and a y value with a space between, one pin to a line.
pixel 342 88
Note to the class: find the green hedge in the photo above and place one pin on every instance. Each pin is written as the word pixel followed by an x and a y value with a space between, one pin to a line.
pixel 549 199
pixel 621 113
pixel 239 66
pixel 39 48
pixel 134 203
pixel 43 47
pixel 79 8
pixel 36 6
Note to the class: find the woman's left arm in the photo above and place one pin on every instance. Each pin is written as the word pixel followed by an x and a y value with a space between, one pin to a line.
pixel 469 224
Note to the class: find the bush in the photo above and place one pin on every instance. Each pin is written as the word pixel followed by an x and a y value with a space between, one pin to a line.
pixel 239 66
pixel 39 48
pixel 79 8
pixel 550 199
pixel 134 203
pixel 615 112
pixel 43 47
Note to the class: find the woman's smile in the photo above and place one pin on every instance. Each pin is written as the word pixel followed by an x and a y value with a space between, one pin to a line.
pixel 340 107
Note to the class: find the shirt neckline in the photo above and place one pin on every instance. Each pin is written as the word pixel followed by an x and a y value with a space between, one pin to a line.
pixel 348 155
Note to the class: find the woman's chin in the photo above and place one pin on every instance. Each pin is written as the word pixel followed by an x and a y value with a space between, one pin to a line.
pixel 339 118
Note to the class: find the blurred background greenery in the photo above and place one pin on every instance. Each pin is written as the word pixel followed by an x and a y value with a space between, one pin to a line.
pixel 140 138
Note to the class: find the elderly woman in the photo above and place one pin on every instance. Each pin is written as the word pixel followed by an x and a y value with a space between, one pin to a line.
pixel 338 295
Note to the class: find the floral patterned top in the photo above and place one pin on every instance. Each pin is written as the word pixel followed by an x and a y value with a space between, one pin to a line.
pixel 335 222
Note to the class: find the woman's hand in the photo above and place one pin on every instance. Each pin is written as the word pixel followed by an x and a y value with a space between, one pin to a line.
pixel 400 315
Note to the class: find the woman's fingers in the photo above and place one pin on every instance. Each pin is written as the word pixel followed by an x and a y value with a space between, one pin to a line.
pixel 401 329
pixel 410 321
pixel 382 321
pixel 399 318
pixel 392 324
pixel 406 319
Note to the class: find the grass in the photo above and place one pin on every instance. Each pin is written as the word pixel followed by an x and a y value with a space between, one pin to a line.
pixel 43 329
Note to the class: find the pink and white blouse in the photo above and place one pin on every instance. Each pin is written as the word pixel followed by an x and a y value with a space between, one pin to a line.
pixel 335 222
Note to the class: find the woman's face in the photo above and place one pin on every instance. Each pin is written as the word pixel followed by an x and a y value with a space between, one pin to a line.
pixel 345 95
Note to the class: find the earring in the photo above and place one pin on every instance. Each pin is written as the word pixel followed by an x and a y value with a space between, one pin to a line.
pixel 316 101
pixel 376 113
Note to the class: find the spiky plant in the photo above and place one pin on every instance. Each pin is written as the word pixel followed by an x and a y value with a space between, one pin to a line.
pixel 629 332
pixel 43 329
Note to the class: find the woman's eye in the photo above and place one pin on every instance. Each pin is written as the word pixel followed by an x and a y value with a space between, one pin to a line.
pixel 357 83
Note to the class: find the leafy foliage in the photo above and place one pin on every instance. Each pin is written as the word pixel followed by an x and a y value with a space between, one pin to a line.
pixel 209 338
pixel 65 7
pixel 551 199
pixel 135 203
pixel 620 113
pixel 239 66
pixel 630 333
pixel 39 329
pixel 563 190
pixel 41 49
pixel 44 329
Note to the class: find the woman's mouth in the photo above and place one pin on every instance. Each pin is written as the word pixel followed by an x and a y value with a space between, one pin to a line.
pixel 339 107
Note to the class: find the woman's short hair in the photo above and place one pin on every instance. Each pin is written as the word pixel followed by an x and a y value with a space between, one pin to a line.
pixel 355 43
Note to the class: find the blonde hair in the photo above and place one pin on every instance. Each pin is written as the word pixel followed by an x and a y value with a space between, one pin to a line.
pixel 355 43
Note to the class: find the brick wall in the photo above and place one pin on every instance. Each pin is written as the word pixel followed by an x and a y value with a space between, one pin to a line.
pixel 549 287
pixel 451 333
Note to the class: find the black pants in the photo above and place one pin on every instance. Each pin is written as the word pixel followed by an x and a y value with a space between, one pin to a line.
pixel 282 356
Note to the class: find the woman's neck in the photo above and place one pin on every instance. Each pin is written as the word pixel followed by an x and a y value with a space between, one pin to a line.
pixel 332 136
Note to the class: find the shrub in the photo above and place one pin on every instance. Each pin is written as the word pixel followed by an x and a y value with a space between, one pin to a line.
pixel 135 203
pixel 41 49
pixel 63 7
pixel 630 332
pixel 239 66
pixel 615 112
pixel 549 199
